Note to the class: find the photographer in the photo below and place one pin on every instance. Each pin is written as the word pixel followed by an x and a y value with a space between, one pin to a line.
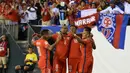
pixel 30 61
pixel 4 53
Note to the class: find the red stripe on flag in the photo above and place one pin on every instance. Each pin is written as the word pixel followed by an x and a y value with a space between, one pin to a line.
pixel 119 20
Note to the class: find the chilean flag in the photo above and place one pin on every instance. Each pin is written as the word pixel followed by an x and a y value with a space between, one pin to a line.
pixel 114 28
pixel 85 18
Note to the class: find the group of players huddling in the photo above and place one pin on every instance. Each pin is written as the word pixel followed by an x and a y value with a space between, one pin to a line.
pixel 76 47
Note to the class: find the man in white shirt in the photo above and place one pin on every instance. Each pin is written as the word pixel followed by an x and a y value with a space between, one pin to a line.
pixel 23 22
pixel 112 9
pixel 32 14
pixel 126 7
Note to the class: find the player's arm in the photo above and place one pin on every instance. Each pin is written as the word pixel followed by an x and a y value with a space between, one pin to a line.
pixel 53 45
pixel 93 42
pixel 79 39
pixel 34 38
pixel 94 45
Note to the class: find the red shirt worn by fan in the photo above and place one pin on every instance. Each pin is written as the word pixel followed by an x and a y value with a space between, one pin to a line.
pixel 3 48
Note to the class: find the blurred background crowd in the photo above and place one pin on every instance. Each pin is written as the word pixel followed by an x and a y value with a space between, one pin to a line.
pixel 20 13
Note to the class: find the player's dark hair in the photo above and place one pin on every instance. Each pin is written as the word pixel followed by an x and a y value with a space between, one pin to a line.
pixel 73 26
pixel 43 32
pixel 88 29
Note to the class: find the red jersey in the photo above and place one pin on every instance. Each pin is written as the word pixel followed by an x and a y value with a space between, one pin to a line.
pixel 75 49
pixel 46 15
pixel 62 47
pixel 3 48
pixel 0 10
pixel 14 16
pixel 87 48
pixel 42 46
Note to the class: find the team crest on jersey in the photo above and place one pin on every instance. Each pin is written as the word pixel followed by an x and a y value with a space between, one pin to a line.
pixel 107 24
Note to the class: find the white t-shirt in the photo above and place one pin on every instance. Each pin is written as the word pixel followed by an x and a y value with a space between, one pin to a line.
pixel 115 10
pixel 127 7
pixel 25 18
pixel 32 15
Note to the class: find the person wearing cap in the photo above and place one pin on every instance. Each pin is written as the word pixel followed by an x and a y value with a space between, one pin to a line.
pixel 44 48
pixel 4 53
pixel 114 9
pixel 87 46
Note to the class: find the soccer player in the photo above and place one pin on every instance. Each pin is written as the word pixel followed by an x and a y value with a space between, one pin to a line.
pixel 62 49
pixel 43 49
pixel 30 61
pixel 74 53
pixel 86 63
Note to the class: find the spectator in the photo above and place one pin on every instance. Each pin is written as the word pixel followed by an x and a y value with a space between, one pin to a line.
pixel 102 6
pixel 93 5
pixel 39 8
pixel 83 5
pixel 63 13
pixel 32 13
pixel 72 12
pixel 30 61
pixel 14 19
pixel 112 9
pixel 4 53
pixel 23 22
pixel 126 7
pixel 54 15
pixel 6 13
pixel 46 17
pixel 120 4
pixel 2 4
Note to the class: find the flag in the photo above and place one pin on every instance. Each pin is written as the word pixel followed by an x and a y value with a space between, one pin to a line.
pixel 85 13
pixel 113 28
pixel 85 18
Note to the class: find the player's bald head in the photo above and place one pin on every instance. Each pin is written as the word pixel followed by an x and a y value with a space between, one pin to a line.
pixel 64 29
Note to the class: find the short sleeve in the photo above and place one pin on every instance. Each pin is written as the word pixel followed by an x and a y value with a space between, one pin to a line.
pixel 35 57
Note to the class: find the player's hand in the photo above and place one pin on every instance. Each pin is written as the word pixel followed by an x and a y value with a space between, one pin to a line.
pixel 35 34
pixel 27 60
pixel 75 35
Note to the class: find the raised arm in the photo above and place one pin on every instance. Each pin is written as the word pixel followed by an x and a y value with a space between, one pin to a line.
pixel 57 41
pixel 79 39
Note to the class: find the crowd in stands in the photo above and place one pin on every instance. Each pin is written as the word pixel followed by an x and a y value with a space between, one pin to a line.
pixel 53 12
